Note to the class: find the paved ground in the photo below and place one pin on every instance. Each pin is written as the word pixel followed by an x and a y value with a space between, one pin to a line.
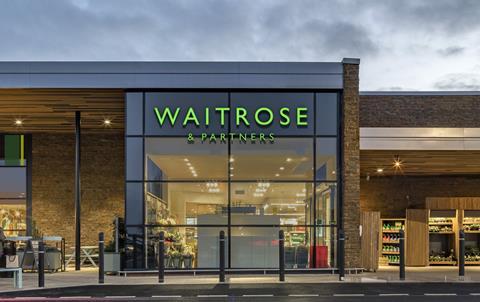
pixel 379 286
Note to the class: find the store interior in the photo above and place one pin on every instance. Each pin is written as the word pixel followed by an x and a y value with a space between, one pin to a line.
pixel 192 212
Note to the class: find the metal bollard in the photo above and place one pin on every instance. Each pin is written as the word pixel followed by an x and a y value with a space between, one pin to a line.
pixel 461 264
pixel 221 277
pixel 402 255
pixel 161 257
pixel 341 255
pixel 101 258
pixel 281 255
pixel 41 264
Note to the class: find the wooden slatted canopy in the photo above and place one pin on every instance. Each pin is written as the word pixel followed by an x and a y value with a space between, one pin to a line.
pixel 420 162
pixel 53 110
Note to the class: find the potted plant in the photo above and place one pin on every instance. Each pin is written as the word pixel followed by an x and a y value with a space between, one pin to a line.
pixel 187 256
pixel 175 258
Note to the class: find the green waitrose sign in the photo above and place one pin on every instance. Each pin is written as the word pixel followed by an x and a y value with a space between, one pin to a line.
pixel 263 117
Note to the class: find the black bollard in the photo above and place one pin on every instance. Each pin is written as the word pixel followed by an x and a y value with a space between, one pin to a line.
pixel 341 255
pixel 402 255
pixel 281 255
pixel 101 258
pixel 161 257
pixel 41 264
pixel 461 264
pixel 221 276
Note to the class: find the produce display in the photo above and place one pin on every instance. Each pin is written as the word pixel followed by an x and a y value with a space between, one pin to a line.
pixel 471 224
pixel 442 257
pixel 388 238
pixel 391 248
pixel 440 228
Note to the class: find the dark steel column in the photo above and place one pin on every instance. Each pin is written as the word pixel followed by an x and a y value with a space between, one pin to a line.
pixel 281 255
pixel 101 258
pixel 461 264
pixel 221 271
pixel 341 255
pixel 77 191
pixel 402 255
pixel 161 257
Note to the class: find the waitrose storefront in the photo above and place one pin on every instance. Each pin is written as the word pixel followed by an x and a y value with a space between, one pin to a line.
pixel 248 163
pixel 245 148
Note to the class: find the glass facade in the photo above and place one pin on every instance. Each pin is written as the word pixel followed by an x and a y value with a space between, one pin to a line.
pixel 248 163
pixel 13 173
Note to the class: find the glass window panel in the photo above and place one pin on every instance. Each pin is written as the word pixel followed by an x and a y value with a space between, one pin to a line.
pixel 187 247
pixel 134 204
pixel 134 108
pixel 195 100
pixel 12 150
pixel 327 113
pixel 265 203
pixel 134 154
pixel 285 159
pixel 13 219
pixel 326 158
pixel 274 101
pixel 177 159
pixel 325 250
pixel 257 247
pixel 134 248
pixel 183 203
pixel 326 195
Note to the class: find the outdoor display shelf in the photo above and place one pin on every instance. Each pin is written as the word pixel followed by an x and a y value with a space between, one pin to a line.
pixel 390 248
pixel 471 227
pixel 442 237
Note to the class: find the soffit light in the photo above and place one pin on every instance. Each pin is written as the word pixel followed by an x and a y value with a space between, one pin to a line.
pixel 397 163
pixel 107 122
pixel 379 170
pixel 18 122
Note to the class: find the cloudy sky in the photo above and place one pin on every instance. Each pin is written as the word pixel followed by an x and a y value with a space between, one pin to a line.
pixel 403 45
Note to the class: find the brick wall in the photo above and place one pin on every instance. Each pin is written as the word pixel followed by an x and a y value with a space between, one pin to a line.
pixel 419 111
pixel 102 183
pixel 392 195
pixel 351 165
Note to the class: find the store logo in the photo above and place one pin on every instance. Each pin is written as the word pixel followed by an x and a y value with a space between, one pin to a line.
pixel 262 117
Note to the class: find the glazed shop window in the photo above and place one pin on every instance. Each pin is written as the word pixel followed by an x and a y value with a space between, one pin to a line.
pixel 326 166
pixel 204 203
pixel 286 159
pixel 186 247
pixel 177 159
pixel 327 113
pixel 12 150
pixel 12 200
pixel 290 113
pixel 173 109
pixel 326 195
pixel 266 203
pixel 257 247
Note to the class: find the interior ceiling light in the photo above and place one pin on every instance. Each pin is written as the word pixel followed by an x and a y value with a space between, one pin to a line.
pixel 282 168
pixel 185 159
pixel 397 163
pixel 379 170
pixel 232 159
pixel 277 175
pixel 289 159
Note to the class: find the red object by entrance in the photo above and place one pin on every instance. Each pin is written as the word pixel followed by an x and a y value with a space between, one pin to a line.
pixel 321 256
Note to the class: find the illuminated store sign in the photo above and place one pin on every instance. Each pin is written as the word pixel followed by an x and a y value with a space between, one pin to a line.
pixel 262 117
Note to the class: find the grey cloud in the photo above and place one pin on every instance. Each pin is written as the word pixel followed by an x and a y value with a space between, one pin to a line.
pixel 459 81
pixel 451 51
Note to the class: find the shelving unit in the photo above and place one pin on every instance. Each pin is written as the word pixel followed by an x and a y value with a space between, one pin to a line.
pixel 442 229
pixel 471 227
pixel 390 248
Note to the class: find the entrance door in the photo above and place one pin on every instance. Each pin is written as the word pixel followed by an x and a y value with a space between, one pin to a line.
pixel 370 222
